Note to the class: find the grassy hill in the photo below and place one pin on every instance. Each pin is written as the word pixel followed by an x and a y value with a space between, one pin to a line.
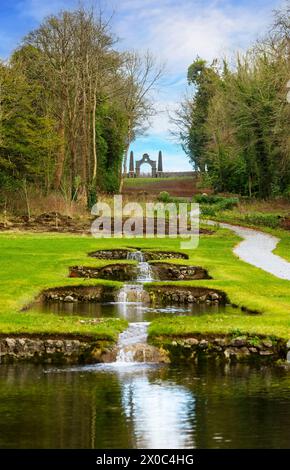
pixel 182 186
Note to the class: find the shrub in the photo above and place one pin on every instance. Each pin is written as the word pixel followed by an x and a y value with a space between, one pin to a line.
pixel 164 196
pixel 204 199
pixel 227 203
pixel 266 220
pixel 212 204
pixel 220 201
pixel 208 210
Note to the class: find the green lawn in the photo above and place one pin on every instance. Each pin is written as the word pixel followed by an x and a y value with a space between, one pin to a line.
pixel 283 247
pixel 32 262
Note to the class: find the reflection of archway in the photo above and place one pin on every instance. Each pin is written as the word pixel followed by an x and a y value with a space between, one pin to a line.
pixel 146 159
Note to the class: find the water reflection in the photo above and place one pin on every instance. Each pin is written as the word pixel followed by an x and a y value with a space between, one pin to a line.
pixel 131 311
pixel 205 406
pixel 161 413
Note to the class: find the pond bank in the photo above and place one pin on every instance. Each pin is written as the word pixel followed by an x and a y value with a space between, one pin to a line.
pixel 65 350
pixel 223 348
pixel 54 350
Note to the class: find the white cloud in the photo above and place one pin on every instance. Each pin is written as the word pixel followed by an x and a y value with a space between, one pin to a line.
pixel 177 32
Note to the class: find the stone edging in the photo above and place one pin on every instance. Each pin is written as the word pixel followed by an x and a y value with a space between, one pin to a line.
pixel 63 350
pixel 179 272
pixel 79 294
pixel 114 272
pixel 222 347
pixel 54 351
pixel 166 294
pixel 149 255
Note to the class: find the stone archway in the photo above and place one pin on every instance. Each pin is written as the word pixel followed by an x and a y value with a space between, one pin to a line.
pixel 146 159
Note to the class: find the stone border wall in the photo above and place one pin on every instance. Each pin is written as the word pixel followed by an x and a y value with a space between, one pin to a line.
pixel 168 294
pixel 158 294
pixel 179 272
pixel 160 255
pixel 109 254
pixel 149 255
pixel 114 272
pixel 54 351
pixel 79 294
pixel 222 348
pixel 128 272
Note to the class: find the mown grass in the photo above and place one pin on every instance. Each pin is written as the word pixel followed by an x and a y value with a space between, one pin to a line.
pixel 33 323
pixel 245 285
pixel 32 262
pixel 283 247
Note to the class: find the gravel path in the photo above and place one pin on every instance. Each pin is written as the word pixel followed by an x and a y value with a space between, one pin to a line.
pixel 256 249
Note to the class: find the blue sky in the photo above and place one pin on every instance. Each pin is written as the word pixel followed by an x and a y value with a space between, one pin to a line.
pixel 176 31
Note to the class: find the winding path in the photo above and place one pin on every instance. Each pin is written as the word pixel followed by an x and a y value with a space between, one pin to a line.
pixel 257 248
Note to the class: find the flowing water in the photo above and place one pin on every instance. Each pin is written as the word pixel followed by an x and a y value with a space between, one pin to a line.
pixel 136 256
pixel 101 406
pixel 137 331
pixel 135 334
pixel 131 293
pixel 134 292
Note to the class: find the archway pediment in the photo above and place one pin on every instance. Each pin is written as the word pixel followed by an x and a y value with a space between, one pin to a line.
pixel 146 159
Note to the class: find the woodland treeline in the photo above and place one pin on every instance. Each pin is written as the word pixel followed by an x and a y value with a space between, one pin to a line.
pixel 235 127
pixel 70 105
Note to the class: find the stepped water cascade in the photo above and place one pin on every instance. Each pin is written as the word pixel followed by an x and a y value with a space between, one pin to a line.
pixel 144 270
pixel 131 293
pixel 134 293
pixel 136 256
pixel 135 335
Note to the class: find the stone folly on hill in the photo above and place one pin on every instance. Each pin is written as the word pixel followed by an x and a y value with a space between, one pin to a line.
pixel 156 167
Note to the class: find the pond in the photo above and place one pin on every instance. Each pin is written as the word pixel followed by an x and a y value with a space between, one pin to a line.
pixel 131 311
pixel 143 406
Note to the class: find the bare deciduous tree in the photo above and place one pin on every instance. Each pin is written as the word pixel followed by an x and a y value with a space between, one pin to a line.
pixel 142 74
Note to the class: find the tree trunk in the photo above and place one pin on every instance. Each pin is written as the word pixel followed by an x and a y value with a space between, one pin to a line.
pixel 61 155
pixel 94 136
pixel 124 166
pixel 74 188
pixel 129 137
pixel 250 186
